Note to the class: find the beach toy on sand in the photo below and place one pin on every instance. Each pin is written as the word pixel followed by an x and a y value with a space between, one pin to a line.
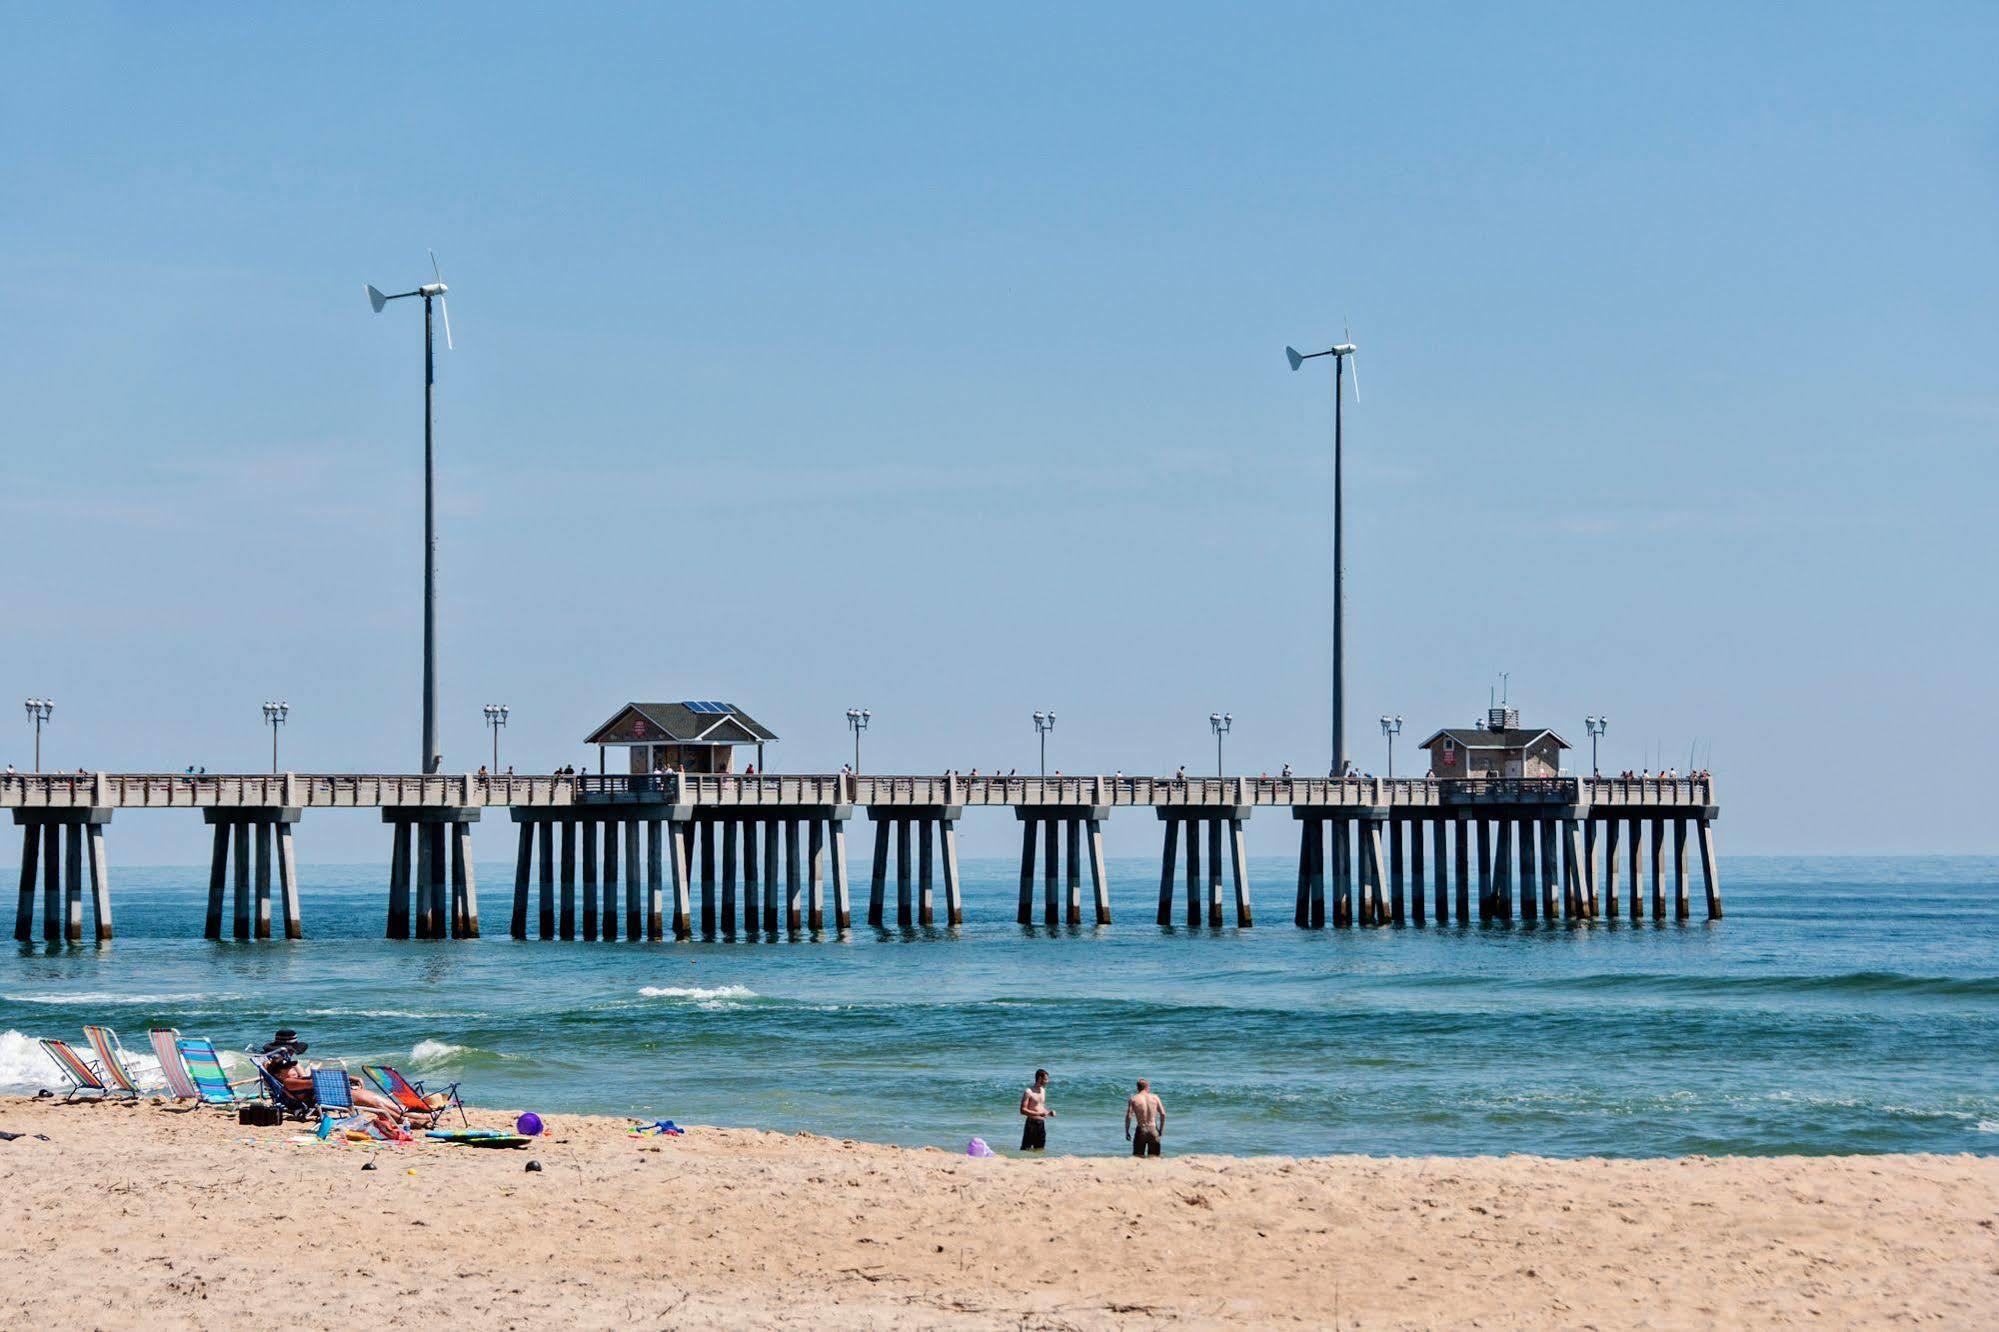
pixel 665 1127
pixel 977 1147
pixel 529 1123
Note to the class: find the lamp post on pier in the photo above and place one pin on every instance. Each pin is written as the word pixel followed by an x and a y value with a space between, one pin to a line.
pixel 1044 722
pixel 1597 726
pixel 432 293
pixel 38 711
pixel 1219 723
pixel 857 721
pixel 496 717
pixel 274 717
pixel 1339 352
pixel 1391 727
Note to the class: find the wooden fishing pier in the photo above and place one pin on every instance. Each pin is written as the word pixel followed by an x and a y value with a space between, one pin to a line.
pixel 723 854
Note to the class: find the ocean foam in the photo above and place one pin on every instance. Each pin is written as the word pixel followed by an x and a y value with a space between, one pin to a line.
pixel 434 1052
pixel 25 1068
pixel 102 997
pixel 697 992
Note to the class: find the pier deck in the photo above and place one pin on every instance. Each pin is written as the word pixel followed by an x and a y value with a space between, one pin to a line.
pixel 1361 858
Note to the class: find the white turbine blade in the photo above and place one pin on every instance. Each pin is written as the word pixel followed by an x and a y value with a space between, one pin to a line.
pixel 444 308
pixel 1353 364
pixel 435 270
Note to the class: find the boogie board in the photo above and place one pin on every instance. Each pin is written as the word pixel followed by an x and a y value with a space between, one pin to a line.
pixel 479 1137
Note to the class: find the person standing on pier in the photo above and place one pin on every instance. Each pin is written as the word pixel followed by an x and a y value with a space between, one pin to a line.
pixel 1149 1115
pixel 1034 1110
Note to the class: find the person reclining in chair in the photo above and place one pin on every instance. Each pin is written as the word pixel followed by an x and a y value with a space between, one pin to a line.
pixel 296 1078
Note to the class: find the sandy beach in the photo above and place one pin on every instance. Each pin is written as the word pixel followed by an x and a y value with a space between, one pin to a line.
pixel 140 1215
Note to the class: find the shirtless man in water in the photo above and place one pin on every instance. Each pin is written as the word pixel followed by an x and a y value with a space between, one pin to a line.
pixel 1145 1109
pixel 1034 1110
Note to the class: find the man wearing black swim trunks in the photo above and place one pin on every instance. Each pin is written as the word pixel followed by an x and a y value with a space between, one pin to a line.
pixel 1036 1114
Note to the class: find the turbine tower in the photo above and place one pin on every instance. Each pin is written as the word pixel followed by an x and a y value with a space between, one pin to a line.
pixel 432 292
pixel 1339 353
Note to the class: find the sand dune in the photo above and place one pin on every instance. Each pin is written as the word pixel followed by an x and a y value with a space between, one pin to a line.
pixel 135 1216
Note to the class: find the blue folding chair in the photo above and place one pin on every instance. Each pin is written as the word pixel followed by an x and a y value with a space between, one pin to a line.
pixel 335 1098
pixel 289 1103
pixel 332 1092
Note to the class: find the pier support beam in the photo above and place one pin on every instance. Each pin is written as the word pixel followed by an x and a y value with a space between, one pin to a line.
pixel 1574 872
pixel 100 882
pixel 1397 884
pixel 1238 866
pixel 679 852
pixel 1341 828
pixel 914 832
pixel 954 898
pixel 1463 868
pixel 249 835
pixel 1441 867
pixel 435 905
pixel 1416 884
pixel 843 906
pixel 58 845
pixel 1710 873
pixel 1487 910
pixel 546 912
pixel 588 854
pixel 608 917
pixel 1502 870
pixel 771 834
pixel 904 919
pixel 1551 870
pixel 1610 827
pixel 637 904
pixel 1633 856
pixel 1594 905
pixel 1681 911
pixel 1529 892
pixel 464 891
pixel 705 829
pixel 565 916
pixel 1192 832
pixel 1373 883
pixel 815 874
pixel 1658 869
pixel 1221 827
pixel 729 829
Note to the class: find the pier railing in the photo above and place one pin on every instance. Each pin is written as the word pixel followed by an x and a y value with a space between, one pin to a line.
pixel 391 790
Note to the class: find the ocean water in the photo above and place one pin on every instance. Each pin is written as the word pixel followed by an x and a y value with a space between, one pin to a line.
pixel 1845 1005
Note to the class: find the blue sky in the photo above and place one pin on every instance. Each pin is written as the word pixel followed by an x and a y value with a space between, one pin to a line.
pixel 932 361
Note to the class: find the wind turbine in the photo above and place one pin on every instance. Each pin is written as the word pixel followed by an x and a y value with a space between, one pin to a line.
pixel 1340 354
pixel 432 292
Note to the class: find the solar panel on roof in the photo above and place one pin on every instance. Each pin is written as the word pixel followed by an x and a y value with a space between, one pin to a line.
pixel 697 706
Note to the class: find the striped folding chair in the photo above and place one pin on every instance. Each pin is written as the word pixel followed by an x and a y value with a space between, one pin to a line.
pixel 166 1048
pixel 204 1066
pixel 81 1074
pixel 413 1097
pixel 111 1062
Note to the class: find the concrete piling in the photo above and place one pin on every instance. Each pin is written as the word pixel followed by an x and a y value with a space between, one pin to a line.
pixel 1710 875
